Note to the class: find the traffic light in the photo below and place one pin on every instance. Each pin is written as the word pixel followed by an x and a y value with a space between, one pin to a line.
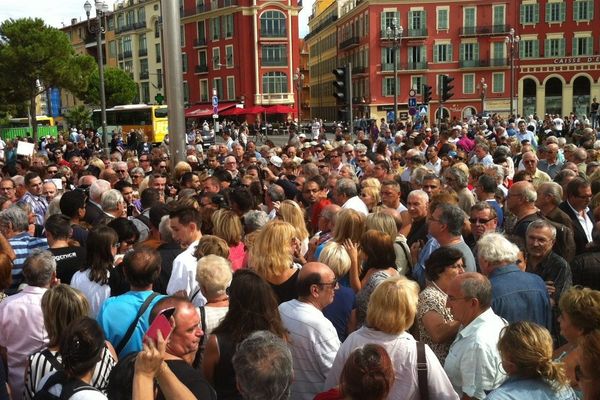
pixel 446 88
pixel 427 91
pixel 340 84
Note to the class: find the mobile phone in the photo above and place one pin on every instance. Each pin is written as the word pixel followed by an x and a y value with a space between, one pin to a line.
pixel 161 323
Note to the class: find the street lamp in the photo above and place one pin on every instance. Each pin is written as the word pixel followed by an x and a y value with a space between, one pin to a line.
pixel 482 93
pixel 512 40
pixel 394 33
pixel 97 29
pixel 299 79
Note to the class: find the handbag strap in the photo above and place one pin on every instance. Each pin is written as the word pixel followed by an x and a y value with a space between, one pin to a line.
pixel 131 328
pixel 422 371
pixel 52 360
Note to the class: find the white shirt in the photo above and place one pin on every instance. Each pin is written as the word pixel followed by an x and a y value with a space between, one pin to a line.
pixel 313 342
pixel 585 222
pixel 356 204
pixel 183 276
pixel 473 363
pixel 402 350
pixel 95 293
pixel 435 167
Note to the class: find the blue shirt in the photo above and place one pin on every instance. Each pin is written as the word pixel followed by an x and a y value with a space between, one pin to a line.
pixel 531 389
pixel 339 311
pixel 117 313
pixel 23 244
pixel 520 296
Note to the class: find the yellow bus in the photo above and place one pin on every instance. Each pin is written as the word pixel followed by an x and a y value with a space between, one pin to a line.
pixel 152 120
pixel 41 120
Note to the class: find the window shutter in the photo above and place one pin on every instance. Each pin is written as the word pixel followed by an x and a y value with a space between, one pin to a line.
pixel 449 49
pixel 535 49
pixel 590 9
pixel 522 46
pixel 522 16
pixel 410 20
pixel 590 46
pixel 383 27
pixel 423 55
pixel 548 11
pixel 461 55
pixel 563 11
pixel 423 20
pixel 436 53
pixel 536 13
pixel 476 51
pixel 576 51
pixel 546 48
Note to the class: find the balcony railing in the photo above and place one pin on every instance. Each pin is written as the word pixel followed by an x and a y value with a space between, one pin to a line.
pixel 349 43
pixel 492 62
pixel 271 33
pixel 144 75
pixel 139 25
pixel 120 56
pixel 324 24
pixel 486 30
pixel 412 33
pixel 142 52
pixel 124 28
pixel 201 69
pixel 281 62
pixel 127 54
pixel 199 42
pixel 413 65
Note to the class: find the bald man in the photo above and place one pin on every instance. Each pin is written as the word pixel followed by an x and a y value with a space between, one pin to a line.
pixel 313 339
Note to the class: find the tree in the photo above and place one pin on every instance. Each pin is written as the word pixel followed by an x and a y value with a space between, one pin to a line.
pixel 79 116
pixel 119 87
pixel 35 57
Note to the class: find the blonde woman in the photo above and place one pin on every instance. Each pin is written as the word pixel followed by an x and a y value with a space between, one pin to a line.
pixel 213 274
pixel 371 182
pixel 383 222
pixel 272 257
pixel 371 196
pixel 526 351
pixel 290 211
pixel 228 226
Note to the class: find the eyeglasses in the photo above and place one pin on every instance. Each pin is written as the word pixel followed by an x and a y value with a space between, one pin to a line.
pixel 584 196
pixel 6 189
pixel 52 171
pixel 481 221
pixel 333 284
pixel 121 171
pixel 144 160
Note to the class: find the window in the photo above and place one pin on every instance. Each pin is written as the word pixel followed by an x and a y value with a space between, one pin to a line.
pixel 442 19
pixel 469 16
pixel 554 47
pixel 186 92
pixel 227 26
pixel 141 15
pixel 230 88
pixel 416 54
pixel 201 26
pixel 129 18
pixel 499 15
pixel 184 62
pixel 274 55
pixel 469 52
pixel 275 82
pixel 468 83
pixel 216 58
pixel 120 21
pixel 416 82
pixel 142 44
pixel 156 29
pixel 272 24
pixel 128 66
pixel 530 14
pixel 218 85
pixel 387 58
pixel 583 46
pixel 143 68
pixel 215 27
pixel 159 81
pixel 388 86
pixel 204 90
pixel 387 17
pixel 145 92
pixel 529 48
pixel 111 24
pixel 157 50
pixel 555 12
pixel 442 53
pixel 583 10
pixel 202 58
pixel 229 56
pixel 416 20
pixel 112 48
pixel 498 55
pixel 498 82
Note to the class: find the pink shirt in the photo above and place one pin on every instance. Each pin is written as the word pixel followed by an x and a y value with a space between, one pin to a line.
pixel 237 255
pixel 22 332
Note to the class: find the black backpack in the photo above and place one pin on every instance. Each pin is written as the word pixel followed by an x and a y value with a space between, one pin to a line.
pixel 69 387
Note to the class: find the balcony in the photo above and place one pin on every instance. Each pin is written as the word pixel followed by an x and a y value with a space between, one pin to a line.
pixel 120 56
pixel 274 98
pixel 492 62
pixel 417 33
pixel 272 33
pixel 279 62
pixel 142 52
pixel 127 54
pixel 349 43
pixel 139 25
pixel 188 12
pixel 201 69
pixel 124 28
pixel 324 24
pixel 227 3
pixel 144 75
pixel 200 42
pixel 412 66
pixel 359 70
pixel 488 30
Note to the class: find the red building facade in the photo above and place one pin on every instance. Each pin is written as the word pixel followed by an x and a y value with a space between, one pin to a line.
pixel 244 51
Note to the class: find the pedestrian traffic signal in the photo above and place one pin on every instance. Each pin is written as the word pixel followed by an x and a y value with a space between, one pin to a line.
pixel 340 84
pixel 446 88
pixel 427 92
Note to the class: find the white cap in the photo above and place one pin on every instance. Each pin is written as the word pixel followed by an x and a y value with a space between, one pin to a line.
pixel 276 161
pixel 302 136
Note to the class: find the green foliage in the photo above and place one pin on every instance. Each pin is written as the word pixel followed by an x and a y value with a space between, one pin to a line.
pixel 33 57
pixel 119 88
pixel 79 116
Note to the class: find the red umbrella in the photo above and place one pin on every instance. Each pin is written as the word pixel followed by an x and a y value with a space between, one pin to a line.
pixel 255 110
pixel 280 109
pixel 234 111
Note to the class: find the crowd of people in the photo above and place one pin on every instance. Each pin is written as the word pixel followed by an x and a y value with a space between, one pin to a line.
pixel 398 262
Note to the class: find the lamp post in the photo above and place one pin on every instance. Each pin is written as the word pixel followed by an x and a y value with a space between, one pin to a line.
pixel 512 40
pixel 482 93
pixel 299 79
pixel 97 29
pixel 394 33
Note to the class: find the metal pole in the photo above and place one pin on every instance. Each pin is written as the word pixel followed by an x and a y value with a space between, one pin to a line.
pixel 174 79
pixel 299 101
pixel 395 79
pixel 350 119
pixel 101 74
pixel 512 76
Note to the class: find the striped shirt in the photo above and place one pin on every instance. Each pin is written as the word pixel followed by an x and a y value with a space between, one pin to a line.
pixel 39 366
pixel 39 206
pixel 23 244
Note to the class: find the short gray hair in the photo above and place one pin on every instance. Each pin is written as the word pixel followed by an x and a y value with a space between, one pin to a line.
pixel 111 199
pixel 453 217
pixel 541 224
pixel 263 367
pixel 16 216
pixel 419 193
pixel 213 273
pixel 164 229
pixel 496 249
pixel 476 286
pixel 39 268
pixel 347 187
pixel 138 170
pixel 554 190
pixel 458 175
pixel 98 188
pixel 276 192
pixel 254 220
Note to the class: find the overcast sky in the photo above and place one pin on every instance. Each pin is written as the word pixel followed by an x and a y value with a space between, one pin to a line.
pixel 57 12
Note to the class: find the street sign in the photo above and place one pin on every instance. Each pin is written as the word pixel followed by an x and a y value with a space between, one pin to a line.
pixel 215 109
pixel 412 102
pixel 215 116
pixel 412 111
pixel 215 101
pixel 412 93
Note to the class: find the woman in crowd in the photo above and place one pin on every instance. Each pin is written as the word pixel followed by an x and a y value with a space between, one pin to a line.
pixel 272 257
pixel 367 375
pixel 587 372
pixel 81 347
pixel 92 279
pixel 128 236
pixel 384 222
pixel 290 211
pixel 371 197
pixel 228 226
pixel 377 254
pixel 435 324
pixel 349 225
pixel 526 351
pixel 214 276
pixel 391 312
pixel 62 305
pixel 6 265
pixel 252 307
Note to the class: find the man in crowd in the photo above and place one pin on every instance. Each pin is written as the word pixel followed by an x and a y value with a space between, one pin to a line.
pixel 345 195
pixel 579 195
pixel 390 195
pixel 530 162
pixel 68 257
pixel 551 164
pixel 418 206
pixel 93 209
pixel 34 196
